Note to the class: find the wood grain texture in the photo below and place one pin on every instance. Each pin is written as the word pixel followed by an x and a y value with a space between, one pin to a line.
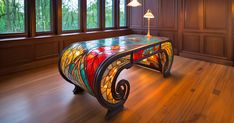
pixel 197 91
pixel 210 20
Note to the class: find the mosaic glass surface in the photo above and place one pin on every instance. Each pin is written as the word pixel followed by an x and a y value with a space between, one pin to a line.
pixel 168 47
pixel 146 52
pixel 80 61
pixel 108 77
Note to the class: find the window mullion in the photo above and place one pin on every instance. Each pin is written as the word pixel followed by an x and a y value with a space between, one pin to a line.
pixel 30 18
pixel 102 14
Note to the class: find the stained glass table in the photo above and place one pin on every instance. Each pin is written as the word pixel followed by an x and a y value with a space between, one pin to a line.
pixel 94 66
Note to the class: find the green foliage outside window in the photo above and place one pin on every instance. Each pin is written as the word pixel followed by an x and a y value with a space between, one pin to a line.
pixel 43 15
pixel 92 14
pixel 109 9
pixel 70 14
pixel 12 16
pixel 122 14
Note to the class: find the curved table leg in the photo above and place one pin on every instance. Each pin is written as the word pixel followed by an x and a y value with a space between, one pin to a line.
pixel 166 57
pixel 78 90
pixel 110 93
pixel 161 61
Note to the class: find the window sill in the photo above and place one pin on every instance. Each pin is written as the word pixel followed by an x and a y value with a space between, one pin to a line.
pixel 94 32
pixel 64 34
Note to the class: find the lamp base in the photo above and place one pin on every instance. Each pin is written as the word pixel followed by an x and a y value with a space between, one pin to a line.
pixel 148 36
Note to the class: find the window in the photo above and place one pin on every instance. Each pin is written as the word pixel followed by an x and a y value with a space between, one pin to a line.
pixel 43 15
pixel 109 13
pixel 122 13
pixel 12 16
pixel 92 14
pixel 70 15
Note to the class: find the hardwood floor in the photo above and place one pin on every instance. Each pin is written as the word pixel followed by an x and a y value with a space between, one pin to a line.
pixel 197 91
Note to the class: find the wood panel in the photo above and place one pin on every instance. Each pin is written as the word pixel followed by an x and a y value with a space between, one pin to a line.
pixel 216 14
pixel 13 55
pixel 46 49
pixel 215 45
pixel 136 17
pixel 191 7
pixel 168 12
pixel 153 5
pixel 171 35
pixel 164 11
pixel 209 21
pixel 191 42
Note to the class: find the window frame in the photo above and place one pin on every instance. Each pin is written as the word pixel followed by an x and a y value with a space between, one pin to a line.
pixel 56 19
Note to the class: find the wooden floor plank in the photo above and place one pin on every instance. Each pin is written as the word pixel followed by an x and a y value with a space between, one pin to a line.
pixel 197 91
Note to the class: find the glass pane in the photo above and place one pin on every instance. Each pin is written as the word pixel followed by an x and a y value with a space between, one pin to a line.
pixel 109 16
pixel 12 16
pixel 43 15
pixel 92 14
pixel 70 14
pixel 122 14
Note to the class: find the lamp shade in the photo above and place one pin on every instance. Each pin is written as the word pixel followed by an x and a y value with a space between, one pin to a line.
pixel 148 14
pixel 134 3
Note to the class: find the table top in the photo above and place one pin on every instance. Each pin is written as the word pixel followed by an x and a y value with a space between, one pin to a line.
pixel 122 43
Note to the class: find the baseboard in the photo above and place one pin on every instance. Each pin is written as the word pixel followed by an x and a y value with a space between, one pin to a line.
pixel 208 58
pixel 31 65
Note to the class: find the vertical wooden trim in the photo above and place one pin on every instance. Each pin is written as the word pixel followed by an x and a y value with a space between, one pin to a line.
pixel 52 16
pixel 127 14
pixel 117 13
pixel 26 22
pixel 31 17
pixel 57 17
pixel 180 24
pixel 230 53
pixel 102 14
pixel 202 15
pixel 83 13
pixel 232 29
pixel 202 21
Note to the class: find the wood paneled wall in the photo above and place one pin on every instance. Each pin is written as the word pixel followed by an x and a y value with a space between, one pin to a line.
pixel 24 53
pixel 201 29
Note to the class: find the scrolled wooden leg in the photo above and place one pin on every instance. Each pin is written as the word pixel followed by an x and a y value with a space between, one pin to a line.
pixel 167 57
pixel 78 90
pixel 111 93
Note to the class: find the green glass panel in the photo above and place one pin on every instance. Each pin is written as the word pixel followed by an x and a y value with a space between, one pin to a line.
pixel 122 13
pixel 70 15
pixel 12 16
pixel 92 14
pixel 43 15
pixel 109 13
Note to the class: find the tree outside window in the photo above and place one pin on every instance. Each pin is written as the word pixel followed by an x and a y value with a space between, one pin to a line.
pixel 92 14
pixel 109 16
pixel 43 15
pixel 70 15
pixel 122 13
pixel 12 16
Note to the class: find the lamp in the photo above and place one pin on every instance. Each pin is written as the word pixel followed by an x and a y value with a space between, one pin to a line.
pixel 134 3
pixel 149 15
